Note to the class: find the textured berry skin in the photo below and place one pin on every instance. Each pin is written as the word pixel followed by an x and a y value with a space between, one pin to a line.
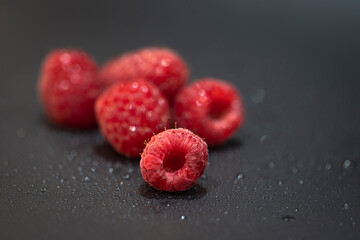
pixel 173 160
pixel 211 108
pixel 68 86
pixel 161 66
pixel 130 113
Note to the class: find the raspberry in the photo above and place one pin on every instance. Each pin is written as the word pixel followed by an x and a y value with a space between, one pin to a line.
pixel 173 160
pixel 130 113
pixel 161 66
pixel 68 87
pixel 211 108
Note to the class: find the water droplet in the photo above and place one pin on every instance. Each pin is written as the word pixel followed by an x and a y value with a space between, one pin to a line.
pixel 126 176
pixel 346 206
pixel 21 133
pixel 62 180
pixel 73 177
pixel 93 169
pixel 280 183
pixel 294 170
pixel 43 190
pixel 300 181
pixel 86 179
pixel 259 96
pixel 204 177
pixel 347 164
pixel 238 178
pixel 263 138
pixel 288 218
pixel 296 209
pixel 182 217
pixel 271 164
pixel 327 166
pixel 110 170
pixel 132 128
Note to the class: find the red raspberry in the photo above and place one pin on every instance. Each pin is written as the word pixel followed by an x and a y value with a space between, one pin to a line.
pixel 173 160
pixel 68 87
pixel 130 113
pixel 211 108
pixel 161 66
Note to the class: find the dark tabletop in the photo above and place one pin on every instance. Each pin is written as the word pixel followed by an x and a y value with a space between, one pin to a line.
pixel 292 171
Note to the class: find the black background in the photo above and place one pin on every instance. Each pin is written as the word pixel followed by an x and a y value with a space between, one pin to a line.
pixel 297 65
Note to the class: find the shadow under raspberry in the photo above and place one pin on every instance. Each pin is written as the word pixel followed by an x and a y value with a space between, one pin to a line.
pixel 195 192
pixel 232 143
pixel 105 151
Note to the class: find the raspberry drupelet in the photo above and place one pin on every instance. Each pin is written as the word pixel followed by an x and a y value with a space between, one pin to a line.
pixel 161 66
pixel 173 160
pixel 129 113
pixel 211 108
pixel 68 86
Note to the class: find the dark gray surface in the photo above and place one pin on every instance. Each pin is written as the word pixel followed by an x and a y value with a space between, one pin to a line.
pixel 297 65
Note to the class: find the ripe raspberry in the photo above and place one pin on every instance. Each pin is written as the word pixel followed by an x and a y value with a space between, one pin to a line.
pixel 173 160
pixel 131 112
pixel 68 87
pixel 211 108
pixel 161 66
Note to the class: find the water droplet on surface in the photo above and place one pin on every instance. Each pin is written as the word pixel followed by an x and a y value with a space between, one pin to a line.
pixel 263 138
pixel 238 177
pixel 288 218
pixel 259 96
pixel 126 176
pixel 294 170
pixel 280 183
pixel 93 169
pixel 132 128
pixel 348 164
pixel 110 170
pixel 21 133
pixel 346 206
pixel 43 190
pixel 86 179
pixel 327 166
pixel 271 164
pixel 296 209
pixel 182 217
pixel 62 180
pixel 300 181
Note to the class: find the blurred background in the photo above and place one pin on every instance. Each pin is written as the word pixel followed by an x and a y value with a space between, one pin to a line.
pixel 290 173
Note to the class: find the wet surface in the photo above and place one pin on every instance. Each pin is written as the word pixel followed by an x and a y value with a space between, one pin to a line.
pixel 292 172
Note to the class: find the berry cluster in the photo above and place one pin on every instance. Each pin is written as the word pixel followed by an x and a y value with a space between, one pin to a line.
pixel 131 98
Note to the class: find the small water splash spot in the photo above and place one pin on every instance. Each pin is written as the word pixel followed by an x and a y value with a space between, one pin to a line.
pixel 263 138
pixel 259 96
pixel 300 181
pixel 21 133
pixel 62 180
pixel 288 218
pixel 204 177
pixel 239 177
pixel 110 170
pixel 86 179
pixel 271 164
pixel 182 217
pixel 126 176
pixel 296 209
pixel 294 170
pixel 327 166
pixel 346 206
pixel 44 189
pixel 347 164
pixel 280 183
